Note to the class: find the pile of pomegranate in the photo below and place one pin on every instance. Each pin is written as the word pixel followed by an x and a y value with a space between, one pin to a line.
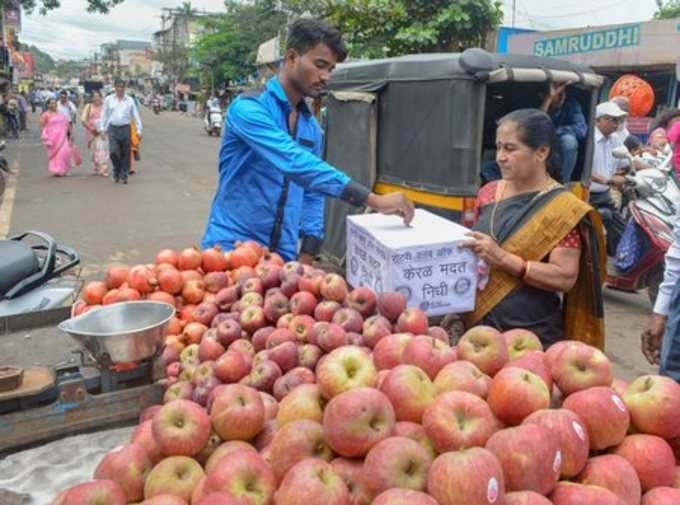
pixel 286 387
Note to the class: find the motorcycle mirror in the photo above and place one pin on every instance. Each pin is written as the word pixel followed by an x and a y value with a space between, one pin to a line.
pixel 620 152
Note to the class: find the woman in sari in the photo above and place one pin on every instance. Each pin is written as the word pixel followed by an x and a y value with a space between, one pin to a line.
pixel 96 139
pixel 543 245
pixel 55 128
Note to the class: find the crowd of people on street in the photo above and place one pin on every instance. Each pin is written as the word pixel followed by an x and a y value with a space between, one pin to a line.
pixel 113 132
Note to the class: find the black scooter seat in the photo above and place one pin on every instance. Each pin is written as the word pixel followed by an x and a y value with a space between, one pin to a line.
pixel 17 262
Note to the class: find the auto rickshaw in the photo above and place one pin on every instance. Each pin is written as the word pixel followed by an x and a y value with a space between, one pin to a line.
pixel 424 123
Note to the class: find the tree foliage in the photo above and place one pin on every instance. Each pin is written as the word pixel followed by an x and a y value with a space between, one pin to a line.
pixel 43 62
pixel 102 6
pixel 667 9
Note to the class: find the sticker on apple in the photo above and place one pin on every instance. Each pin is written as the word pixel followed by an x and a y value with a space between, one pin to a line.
pixel 579 430
pixel 492 490
pixel 619 403
pixel 557 463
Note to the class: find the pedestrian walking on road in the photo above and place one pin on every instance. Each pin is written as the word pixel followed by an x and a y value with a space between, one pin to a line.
pixel 119 112
pixel 23 110
pixel 96 139
pixel 55 139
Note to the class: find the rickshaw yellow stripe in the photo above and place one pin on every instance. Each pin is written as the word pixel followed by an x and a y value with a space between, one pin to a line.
pixel 422 197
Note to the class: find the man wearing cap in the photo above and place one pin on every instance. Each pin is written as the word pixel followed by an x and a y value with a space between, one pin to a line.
pixel 605 171
pixel 119 111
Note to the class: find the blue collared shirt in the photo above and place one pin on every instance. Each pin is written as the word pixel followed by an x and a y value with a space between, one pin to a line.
pixel 570 119
pixel 257 156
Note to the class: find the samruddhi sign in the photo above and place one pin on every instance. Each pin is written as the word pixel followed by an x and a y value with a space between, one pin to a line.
pixel 590 41
pixel 653 43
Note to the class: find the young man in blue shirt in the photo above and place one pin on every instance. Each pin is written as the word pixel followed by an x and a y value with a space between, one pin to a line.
pixel 272 180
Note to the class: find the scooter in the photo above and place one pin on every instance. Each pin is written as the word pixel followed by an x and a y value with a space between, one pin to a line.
pixel 156 106
pixel 33 268
pixel 654 196
pixel 213 121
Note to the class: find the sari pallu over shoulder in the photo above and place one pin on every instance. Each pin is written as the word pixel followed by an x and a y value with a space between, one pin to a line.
pixel 551 217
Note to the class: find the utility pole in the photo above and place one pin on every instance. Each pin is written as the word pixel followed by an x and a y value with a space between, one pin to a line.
pixel 514 12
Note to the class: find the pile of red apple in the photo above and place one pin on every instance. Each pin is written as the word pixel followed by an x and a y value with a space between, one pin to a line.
pixel 284 387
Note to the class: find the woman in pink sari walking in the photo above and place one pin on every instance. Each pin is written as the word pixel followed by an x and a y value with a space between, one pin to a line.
pixel 96 139
pixel 55 138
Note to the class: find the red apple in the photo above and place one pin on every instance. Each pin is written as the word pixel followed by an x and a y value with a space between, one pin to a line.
pixel 263 376
pixel 312 481
pixel 301 326
pixel 228 331
pixel 520 341
pixel 356 420
pixel 334 288
pixel 149 413
pixel 260 337
pixel 213 443
pixel 534 361
pixel 223 450
pixel 325 310
pixel 654 403
pixel 403 497
pixel 279 336
pixel 397 462
pixel 237 413
pixel 231 367
pixel 439 333
pixel 311 283
pixel 285 355
pixel 253 285
pixel 515 393
pixel 303 402
pixel 363 300
pixel 264 439
pixel 568 493
pixel 143 435
pixel 604 414
pixel 95 492
pixel 271 406
pixel 530 456
pixel 652 458
pixel 661 496
pixel 410 390
pixel 243 475
pixel 416 432
pixel 270 275
pixel 343 369
pixel 303 302
pixel 485 347
pixel 249 300
pixel 176 475
pixel 182 428
pixel 572 435
pixel 579 366
pixel 165 499
pixel 276 306
pixel 328 336
pixel 614 473
pixel 525 498
pixel 469 476
pixel 375 328
pixel 253 318
pixel 226 297
pixel 388 352
pixel 203 373
pixel 462 376
pixel 205 312
pixel 173 369
pixel 286 383
pixel 309 355
pixel 457 420
pixel 352 472
pixel 349 319
pixel 429 354
pixel 181 390
pixel 128 466
pixel 295 442
pixel 620 386
pixel 244 347
pixel 413 321
pixel 216 499
pixel 391 304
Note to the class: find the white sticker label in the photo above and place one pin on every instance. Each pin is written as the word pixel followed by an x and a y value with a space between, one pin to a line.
pixel 619 403
pixel 492 490
pixel 580 432
pixel 557 464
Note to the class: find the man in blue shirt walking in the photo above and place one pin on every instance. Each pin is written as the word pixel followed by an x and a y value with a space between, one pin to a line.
pixel 272 181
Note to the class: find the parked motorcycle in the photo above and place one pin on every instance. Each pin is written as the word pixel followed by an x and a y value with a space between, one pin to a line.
pixel 212 121
pixel 654 195
pixel 32 274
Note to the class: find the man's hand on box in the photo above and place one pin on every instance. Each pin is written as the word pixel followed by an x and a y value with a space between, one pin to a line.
pixel 392 204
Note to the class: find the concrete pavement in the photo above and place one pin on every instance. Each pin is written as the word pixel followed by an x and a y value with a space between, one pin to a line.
pixel 166 205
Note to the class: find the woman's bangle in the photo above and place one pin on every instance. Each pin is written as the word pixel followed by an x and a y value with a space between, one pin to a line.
pixel 526 271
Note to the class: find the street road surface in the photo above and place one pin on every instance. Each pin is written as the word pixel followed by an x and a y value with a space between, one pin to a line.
pixel 166 204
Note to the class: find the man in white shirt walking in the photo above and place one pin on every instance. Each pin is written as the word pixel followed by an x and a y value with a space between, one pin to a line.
pixel 119 111
pixel 661 339
pixel 67 107
pixel 608 117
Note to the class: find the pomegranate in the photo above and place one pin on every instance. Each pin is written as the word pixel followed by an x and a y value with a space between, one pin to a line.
pixel 175 342
pixel 204 313
pixel 161 296
pixel 142 279
pixel 255 246
pixel 167 256
pixel 116 275
pixel 189 259
pixel 175 326
pixel 272 257
pixel 242 274
pixel 129 295
pixel 80 307
pixel 186 313
pixel 113 296
pixel 193 332
pixel 171 281
pixel 243 256
pixel 93 292
pixel 215 281
pixel 193 291
pixel 191 275
pixel 210 298
pixel 169 355
pixel 213 260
